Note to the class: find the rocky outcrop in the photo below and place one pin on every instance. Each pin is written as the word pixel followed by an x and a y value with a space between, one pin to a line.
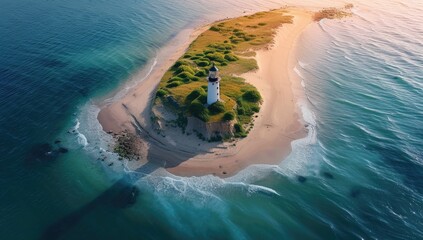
pixel 211 130
pixel 127 146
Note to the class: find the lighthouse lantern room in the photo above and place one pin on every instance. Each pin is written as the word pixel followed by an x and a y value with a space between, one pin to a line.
pixel 213 91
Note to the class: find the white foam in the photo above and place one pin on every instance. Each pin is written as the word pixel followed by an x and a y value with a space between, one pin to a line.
pixel 298 73
pixel 303 65
pixel 253 189
pixel 90 135
pixel 82 140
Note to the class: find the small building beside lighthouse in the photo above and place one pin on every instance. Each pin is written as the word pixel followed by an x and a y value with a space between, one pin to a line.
pixel 213 88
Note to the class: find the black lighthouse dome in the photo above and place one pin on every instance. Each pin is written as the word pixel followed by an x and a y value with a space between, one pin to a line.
pixel 213 74
pixel 213 68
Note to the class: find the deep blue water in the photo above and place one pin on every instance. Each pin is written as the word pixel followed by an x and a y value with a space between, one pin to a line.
pixel 358 175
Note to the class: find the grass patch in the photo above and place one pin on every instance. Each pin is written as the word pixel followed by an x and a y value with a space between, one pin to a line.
pixel 230 45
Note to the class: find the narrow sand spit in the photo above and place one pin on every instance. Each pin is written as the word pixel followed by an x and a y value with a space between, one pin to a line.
pixel 278 124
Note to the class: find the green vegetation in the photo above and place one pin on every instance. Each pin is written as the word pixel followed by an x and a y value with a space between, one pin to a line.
pixel 239 131
pixel 197 109
pixel 229 116
pixel 251 96
pixel 216 108
pixel 161 93
pixel 230 45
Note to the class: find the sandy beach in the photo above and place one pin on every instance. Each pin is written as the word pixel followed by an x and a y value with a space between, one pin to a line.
pixel 278 123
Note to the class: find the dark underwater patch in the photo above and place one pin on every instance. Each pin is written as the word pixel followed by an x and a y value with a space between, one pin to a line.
pixel 126 197
pixel 44 152
pixel 402 163
pixel 355 192
pixel 328 175
pixel 301 179
pixel 52 63
pixel 40 152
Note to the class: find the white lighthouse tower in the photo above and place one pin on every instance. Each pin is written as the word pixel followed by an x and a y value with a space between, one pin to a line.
pixel 213 91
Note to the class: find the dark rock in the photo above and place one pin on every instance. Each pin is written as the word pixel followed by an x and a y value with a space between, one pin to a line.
pixel 63 150
pixel 301 179
pixel 328 175
pixel 224 172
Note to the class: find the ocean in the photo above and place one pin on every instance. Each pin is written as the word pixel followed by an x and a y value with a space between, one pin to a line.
pixel 357 175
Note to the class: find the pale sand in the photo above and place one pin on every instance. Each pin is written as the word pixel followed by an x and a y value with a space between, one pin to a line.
pixel 269 142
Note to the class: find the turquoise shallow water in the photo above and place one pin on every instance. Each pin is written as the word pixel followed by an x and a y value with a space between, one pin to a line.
pixel 357 175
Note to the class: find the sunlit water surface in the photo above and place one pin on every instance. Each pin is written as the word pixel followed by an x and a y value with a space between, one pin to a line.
pixel 356 175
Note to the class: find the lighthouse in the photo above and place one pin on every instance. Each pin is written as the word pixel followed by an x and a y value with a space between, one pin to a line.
pixel 213 91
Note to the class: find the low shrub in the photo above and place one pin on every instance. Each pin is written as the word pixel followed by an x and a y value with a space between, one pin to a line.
pixel 236 40
pixel 174 84
pixel 184 68
pixel 161 93
pixel 241 111
pixel 239 130
pixel 198 110
pixel 215 29
pixel 202 63
pixel 175 79
pixel 251 96
pixel 216 108
pixel 240 34
pixel 229 116
pixel 248 38
pixel 255 109
pixel 202 98
pixel 231 57
pixel 201 73
pixel 186 76
pixel 180 63
pixel 195 94
pixel 218 57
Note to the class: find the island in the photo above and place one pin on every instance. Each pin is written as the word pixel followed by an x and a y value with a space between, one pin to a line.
pixel 224 99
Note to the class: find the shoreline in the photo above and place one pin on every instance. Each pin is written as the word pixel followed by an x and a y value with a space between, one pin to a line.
pixel 269 142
